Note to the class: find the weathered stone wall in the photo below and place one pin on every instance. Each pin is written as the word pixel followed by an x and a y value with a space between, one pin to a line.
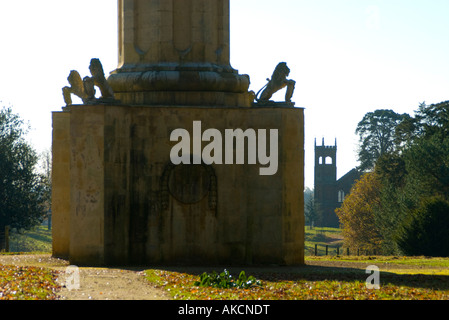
pixel 174 31
pixel 130 205
pixel 61 184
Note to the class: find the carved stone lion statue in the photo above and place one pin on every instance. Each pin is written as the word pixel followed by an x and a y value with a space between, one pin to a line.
pixel 98 79
pixel 85 88
pixel 277 82
pixel 76 88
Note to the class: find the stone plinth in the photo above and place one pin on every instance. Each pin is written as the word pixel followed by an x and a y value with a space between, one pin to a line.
pixel 119 200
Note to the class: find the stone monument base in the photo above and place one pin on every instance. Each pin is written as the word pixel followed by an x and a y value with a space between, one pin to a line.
pixel 118 199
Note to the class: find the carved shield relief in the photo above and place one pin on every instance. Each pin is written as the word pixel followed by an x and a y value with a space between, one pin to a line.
pixel 189 184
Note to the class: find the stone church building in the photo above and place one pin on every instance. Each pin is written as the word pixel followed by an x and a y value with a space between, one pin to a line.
pixel 329 192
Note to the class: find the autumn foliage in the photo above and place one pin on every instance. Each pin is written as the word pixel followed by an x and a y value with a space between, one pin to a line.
pixel 388 208
pixel 27 283
pixel 357 214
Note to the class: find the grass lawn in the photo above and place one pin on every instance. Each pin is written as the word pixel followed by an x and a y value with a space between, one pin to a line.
pixel 36 240
pixel 29 283
pixel 329 277
pixel 321 237
pixel 322 278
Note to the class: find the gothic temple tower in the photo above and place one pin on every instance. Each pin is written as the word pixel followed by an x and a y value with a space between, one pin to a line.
pixel 326 194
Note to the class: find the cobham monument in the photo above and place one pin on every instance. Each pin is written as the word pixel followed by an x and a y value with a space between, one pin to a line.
pixel 177 163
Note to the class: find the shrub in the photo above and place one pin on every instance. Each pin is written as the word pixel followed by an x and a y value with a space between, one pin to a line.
pixel 426 232
pixel 225 281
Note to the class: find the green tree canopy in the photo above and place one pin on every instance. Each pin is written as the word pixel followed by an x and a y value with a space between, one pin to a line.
pixel 411 166
pixel 23 195
pixel 377 136
pixel 429 120
pixel 433 119
pixel 425 232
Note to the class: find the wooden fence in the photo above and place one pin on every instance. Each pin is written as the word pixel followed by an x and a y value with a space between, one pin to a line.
pixel 339 251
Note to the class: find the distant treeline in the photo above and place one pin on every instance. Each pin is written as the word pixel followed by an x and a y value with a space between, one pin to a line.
pixel 401 204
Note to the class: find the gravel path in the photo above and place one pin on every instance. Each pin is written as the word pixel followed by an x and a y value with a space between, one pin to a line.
pixel 95 283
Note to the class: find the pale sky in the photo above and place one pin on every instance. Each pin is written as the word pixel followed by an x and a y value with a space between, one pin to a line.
pixel 348 57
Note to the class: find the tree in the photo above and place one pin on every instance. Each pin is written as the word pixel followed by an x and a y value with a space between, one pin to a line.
pixel 357 214
pixel 377 136
pixel 433 119
pixel 310 211
pixel 425 232
pixel 45 169
pixel 428 121
pixel 22 191
pixel 393 200
pixel 428 161
pixel 417 171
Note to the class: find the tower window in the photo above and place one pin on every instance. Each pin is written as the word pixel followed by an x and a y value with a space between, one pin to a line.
pixel 341 196
pixel 328 160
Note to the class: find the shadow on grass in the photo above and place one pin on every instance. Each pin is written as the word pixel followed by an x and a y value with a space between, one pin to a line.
pixel 30 241
pixel 324 273
pixel 39 236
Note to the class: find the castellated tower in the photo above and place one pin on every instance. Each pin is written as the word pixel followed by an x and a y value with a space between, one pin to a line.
pixel 326 195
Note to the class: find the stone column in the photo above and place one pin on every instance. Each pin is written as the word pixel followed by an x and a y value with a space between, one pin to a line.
pixel 176 52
